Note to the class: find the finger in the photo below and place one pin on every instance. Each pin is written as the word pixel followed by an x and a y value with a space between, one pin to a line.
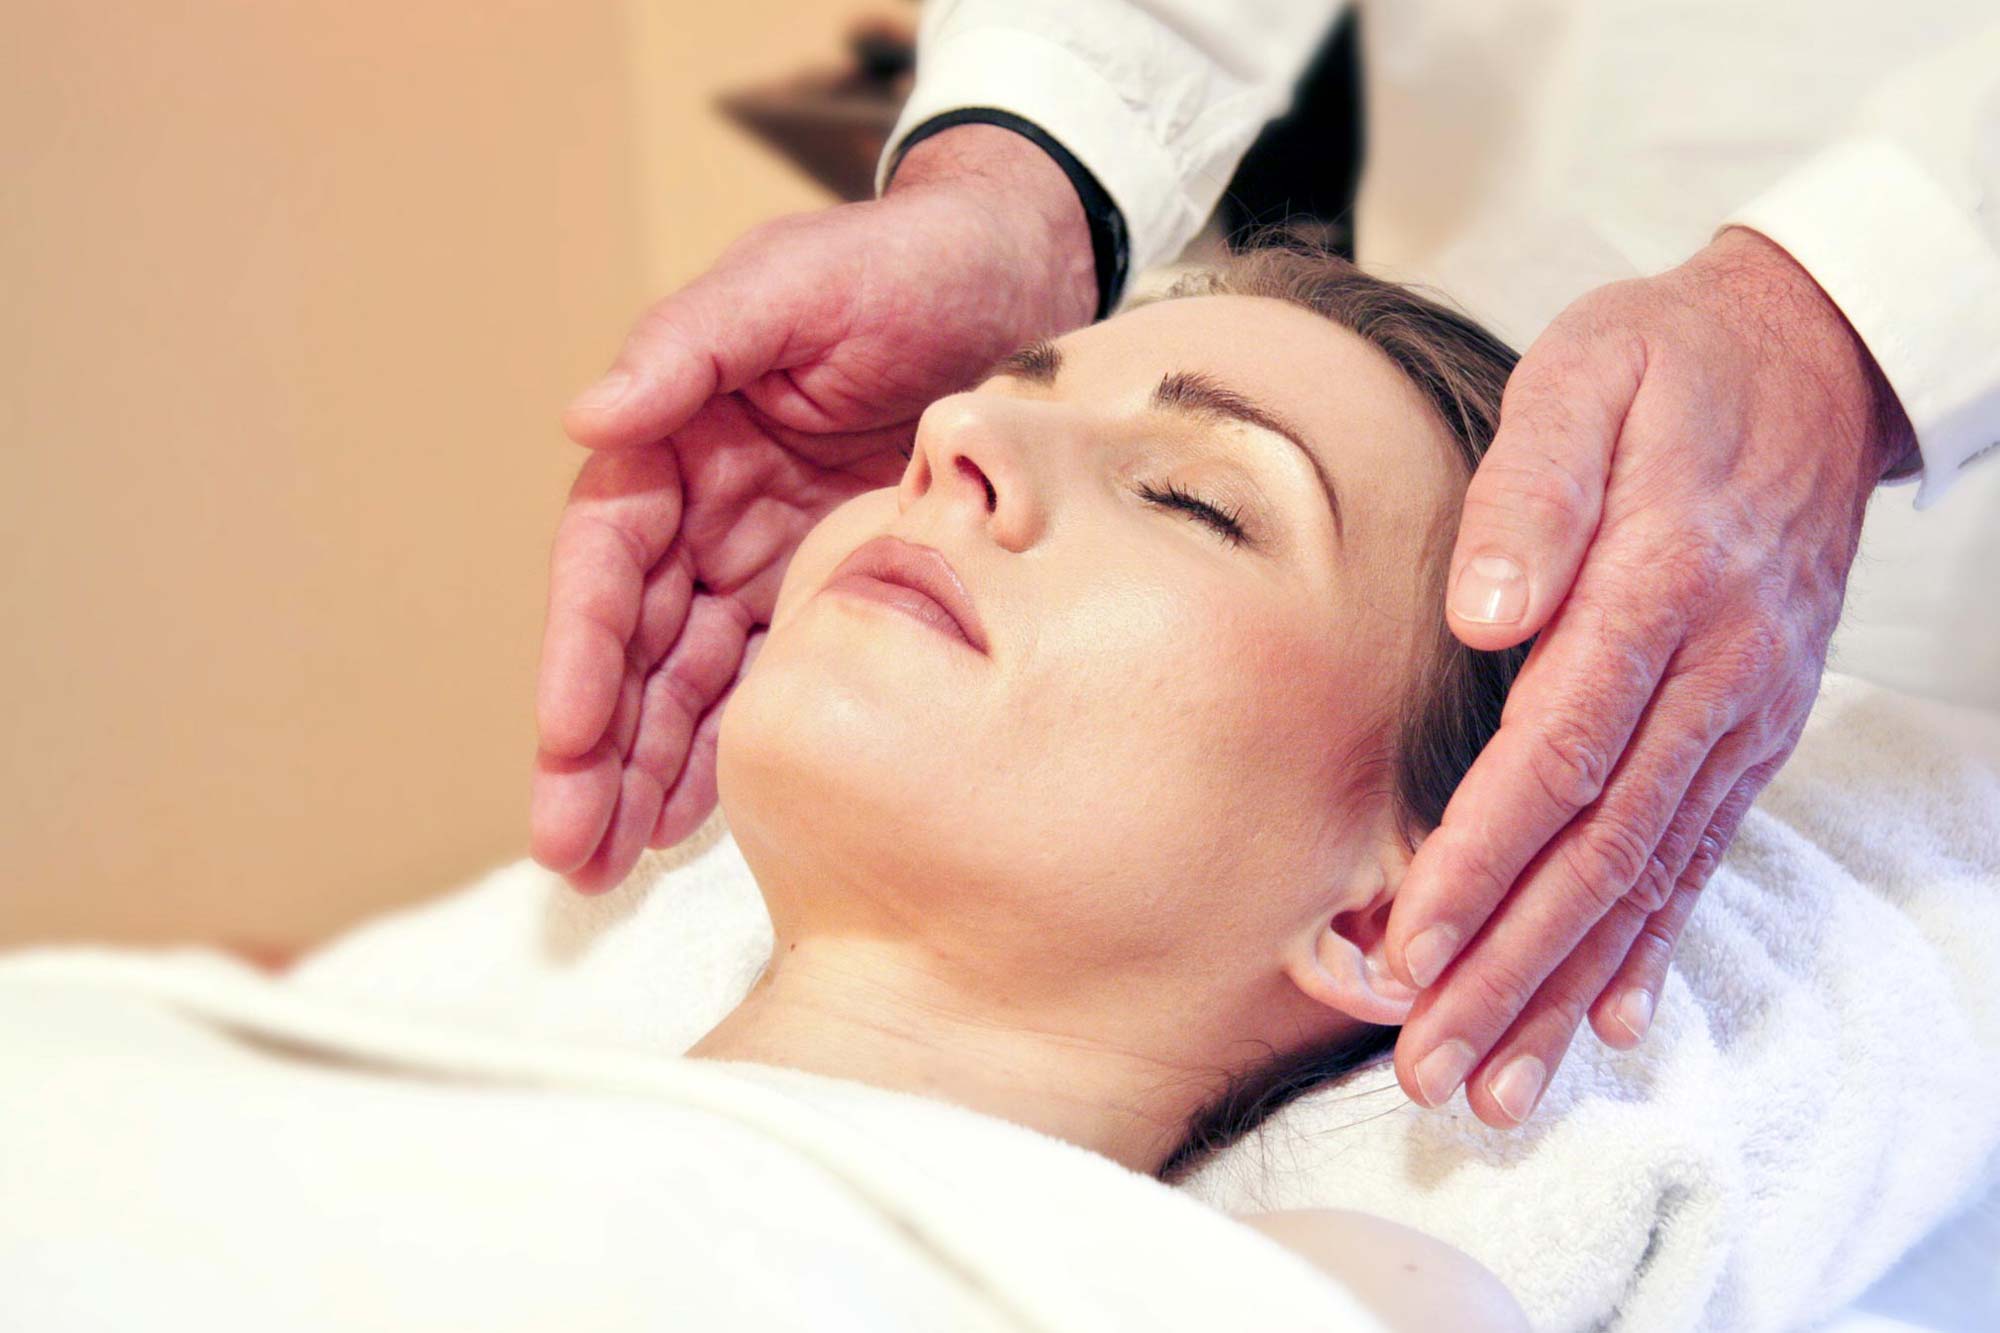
pixel 1585 872
pixel 1720 773
pixel 622 514
pixel 694 793
pixel 686 684
pixel 1508 1083
pixel 573 796
pixel 624 837
pixel 570 804
pixel 1534 502
pixel 686 687
pixel 741 320
pixel 1568 717
pixel 1631 997
pixel 1507 1086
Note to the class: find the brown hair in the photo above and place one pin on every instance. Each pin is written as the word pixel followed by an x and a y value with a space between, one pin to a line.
pixel 1453 705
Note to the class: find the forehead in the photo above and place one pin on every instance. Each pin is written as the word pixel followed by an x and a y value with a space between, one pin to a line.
pixel 1375 433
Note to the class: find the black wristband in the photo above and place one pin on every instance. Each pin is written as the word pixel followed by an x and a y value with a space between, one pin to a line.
pixel 1108 244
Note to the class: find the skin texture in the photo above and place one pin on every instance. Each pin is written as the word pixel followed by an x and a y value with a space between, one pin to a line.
pixel 1679 479
pixel 1413 1282
pixel 1075 882
pixel 1680 473
pixel 740 411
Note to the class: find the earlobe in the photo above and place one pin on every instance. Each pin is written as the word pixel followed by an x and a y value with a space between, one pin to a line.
pixel 1344 968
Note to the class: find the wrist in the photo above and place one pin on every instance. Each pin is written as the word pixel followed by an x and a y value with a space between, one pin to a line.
pixel 1023 194
pixel 1801 318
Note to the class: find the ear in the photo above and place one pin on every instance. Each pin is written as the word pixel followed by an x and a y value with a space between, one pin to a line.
pixel 1343 965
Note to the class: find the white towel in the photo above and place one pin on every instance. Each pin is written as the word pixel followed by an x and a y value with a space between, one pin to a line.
pixel 1820 1088
pixel 190 1144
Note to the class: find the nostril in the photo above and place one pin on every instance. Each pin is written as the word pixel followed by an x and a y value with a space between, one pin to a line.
pixel 967 465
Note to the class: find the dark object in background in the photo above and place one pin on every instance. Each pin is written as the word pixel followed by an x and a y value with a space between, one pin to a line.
pixel 832 124
pixel 1303 168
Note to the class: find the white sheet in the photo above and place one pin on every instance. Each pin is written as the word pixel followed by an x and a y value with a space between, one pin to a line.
pixel 191 1144
pixel 1949 1283
pixel 1819 1091
pixel 1719 1177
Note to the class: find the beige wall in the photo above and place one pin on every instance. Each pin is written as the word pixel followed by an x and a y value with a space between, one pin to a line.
pixel 294 294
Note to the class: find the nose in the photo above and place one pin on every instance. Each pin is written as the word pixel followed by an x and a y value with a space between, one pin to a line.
pixel 970 458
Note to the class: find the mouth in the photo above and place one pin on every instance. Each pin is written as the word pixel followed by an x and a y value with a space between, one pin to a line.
pixel 916 580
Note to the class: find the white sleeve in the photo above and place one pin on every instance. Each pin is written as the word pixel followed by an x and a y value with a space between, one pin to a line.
pixel 1160 99
pixel 1900 225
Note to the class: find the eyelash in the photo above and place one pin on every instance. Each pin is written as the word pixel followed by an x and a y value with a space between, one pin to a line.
pixel 1173 497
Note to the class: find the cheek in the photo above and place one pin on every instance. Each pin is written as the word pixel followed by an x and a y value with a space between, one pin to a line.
pixel 1221 689
pixel 831 541
pixel 1182 741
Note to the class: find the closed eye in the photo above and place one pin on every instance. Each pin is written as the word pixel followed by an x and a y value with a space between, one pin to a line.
pixel 1173 497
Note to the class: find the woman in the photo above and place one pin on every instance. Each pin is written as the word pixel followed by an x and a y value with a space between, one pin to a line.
pixel 1079 769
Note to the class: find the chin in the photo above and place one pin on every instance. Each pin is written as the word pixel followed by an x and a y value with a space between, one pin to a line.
pixel 845 761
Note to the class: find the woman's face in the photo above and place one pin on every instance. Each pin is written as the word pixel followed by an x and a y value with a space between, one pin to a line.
pixel 1168 753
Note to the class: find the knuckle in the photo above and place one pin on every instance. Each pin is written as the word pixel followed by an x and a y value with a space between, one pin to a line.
pixel 617 537
pixel 1713 711
pixel 1540 489
pixel 1606 858
pixel 1654 948
pixel 1472 864
pixel 671 321
pixel 1707 856
pixel 1654 886
pixel 683 692
pixel 1500 989
pixel 1570 767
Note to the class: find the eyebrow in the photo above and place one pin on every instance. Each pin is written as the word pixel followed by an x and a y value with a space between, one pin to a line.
pixel 1038 363
pixel 1188 392
pixel 1195 394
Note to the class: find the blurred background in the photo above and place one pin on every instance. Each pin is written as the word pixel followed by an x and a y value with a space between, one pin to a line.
pixel 295 295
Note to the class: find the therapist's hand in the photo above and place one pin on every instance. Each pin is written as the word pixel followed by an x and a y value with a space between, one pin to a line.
pixel 1672 500
pixel 742 409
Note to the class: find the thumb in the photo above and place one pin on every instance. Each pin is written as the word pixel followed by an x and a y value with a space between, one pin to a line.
pixel 1533 505
pixel 655 385
pixel 728 327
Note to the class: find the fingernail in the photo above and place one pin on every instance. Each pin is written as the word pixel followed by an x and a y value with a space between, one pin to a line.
pixel 1443 1070
pixel 1635 1013
pixel 1430 953
pixel 1491 590
pixel 606 394
pixel 1518 1085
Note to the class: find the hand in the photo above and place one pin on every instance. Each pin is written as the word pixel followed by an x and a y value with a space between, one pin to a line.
pixel 742 409
pixel 1673 499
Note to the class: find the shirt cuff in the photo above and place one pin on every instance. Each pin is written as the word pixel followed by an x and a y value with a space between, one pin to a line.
pixel 1044 83
pixel 1914 277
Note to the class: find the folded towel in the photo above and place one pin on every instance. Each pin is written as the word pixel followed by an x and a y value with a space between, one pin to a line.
pixel 1819 1089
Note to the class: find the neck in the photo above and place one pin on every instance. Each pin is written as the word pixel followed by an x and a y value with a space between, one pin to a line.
pixel 860 1009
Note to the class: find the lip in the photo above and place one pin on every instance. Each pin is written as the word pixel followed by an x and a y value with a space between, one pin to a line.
pixel 918 580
